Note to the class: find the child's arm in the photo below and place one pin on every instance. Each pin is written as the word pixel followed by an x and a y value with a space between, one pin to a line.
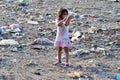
pixel 60 23
pixel 68 21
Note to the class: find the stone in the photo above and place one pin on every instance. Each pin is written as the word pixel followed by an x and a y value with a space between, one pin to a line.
pixel 3 29
pixel 32 22
pixel 97 49
pixel 83 38
pixel 15 49
pixel 73 39
pixel 102 65
pixel 42 41
pixel 92 30
pixel 81 53
pixel 32 63
pixel 115 0
pixel 5 42
pixel 37 73
pixel 79 67
pixel 15 30
pixel 75 74
pixel 13 26
pixel 78 34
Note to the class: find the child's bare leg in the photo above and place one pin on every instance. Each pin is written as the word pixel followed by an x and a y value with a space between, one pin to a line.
pixel 59 53
pixel 67 54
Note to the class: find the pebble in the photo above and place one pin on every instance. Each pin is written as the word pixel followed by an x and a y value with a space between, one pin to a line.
pixel 32 22
pixel 15 49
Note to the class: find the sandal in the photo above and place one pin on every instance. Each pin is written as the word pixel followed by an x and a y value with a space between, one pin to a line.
pixel 58 63
pixel 68 65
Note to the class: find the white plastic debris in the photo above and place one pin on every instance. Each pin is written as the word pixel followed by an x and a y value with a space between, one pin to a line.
pixel 5 42
pixel 74 39
pixel 92 29
pixel 77 34
pixel 42 41
pixel 15 28
pixel 32 22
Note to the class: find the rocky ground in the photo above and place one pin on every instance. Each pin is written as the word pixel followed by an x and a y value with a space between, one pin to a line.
pixel 95 35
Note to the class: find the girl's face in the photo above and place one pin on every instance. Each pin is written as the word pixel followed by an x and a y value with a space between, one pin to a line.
pixel 64 15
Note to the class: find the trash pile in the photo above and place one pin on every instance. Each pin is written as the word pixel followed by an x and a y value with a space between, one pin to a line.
pixel 27 34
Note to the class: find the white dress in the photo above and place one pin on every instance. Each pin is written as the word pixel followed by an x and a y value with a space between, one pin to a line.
pixel 62 36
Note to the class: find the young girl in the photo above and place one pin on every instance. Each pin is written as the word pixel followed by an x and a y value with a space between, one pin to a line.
pixel 62 39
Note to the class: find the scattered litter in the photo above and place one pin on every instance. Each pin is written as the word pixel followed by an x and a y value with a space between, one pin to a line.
pixel 42 41
pixel 33 22
pixel 5 42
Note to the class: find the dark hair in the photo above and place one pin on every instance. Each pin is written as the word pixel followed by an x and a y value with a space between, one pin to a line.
pixel 60 12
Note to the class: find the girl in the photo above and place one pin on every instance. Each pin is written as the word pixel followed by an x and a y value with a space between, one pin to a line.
pixel 62 39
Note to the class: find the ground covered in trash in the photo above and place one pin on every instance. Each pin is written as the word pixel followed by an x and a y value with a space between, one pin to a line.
pixel 27 33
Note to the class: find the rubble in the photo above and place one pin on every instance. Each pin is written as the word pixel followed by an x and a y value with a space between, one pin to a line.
pixel 94 33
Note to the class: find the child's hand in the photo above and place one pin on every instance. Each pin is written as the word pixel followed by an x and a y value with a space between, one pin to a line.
pixel 69 18
pixel 66 17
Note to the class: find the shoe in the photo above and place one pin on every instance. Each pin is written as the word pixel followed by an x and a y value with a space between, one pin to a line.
pixel 57 63
pixel 68 65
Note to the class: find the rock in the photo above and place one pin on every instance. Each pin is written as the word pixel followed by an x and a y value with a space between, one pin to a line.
pixel 79 67
pixel 15 49
pixel 81 53
pixel 83 38
pixel 97 49
pixel 5 42
pixel 37 73
pixel 75 74
pixel 14 60
pixel 7 77
pixel 73 39
pixel 15 30
pixel 48 16
pixel 32 63
pixel 92 30
pixel 14 26
pixel 36 47
pixel 3 29
pixel 32 22
pixel 18 35
pixel 78 34
pixel 42 41
pixel 112 43
pixel 3 62
pixel 102 65
pixel 115 0
pixel 25 1
pixel 93 16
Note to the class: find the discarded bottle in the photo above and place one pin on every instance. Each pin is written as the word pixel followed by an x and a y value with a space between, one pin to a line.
pixel 118 77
